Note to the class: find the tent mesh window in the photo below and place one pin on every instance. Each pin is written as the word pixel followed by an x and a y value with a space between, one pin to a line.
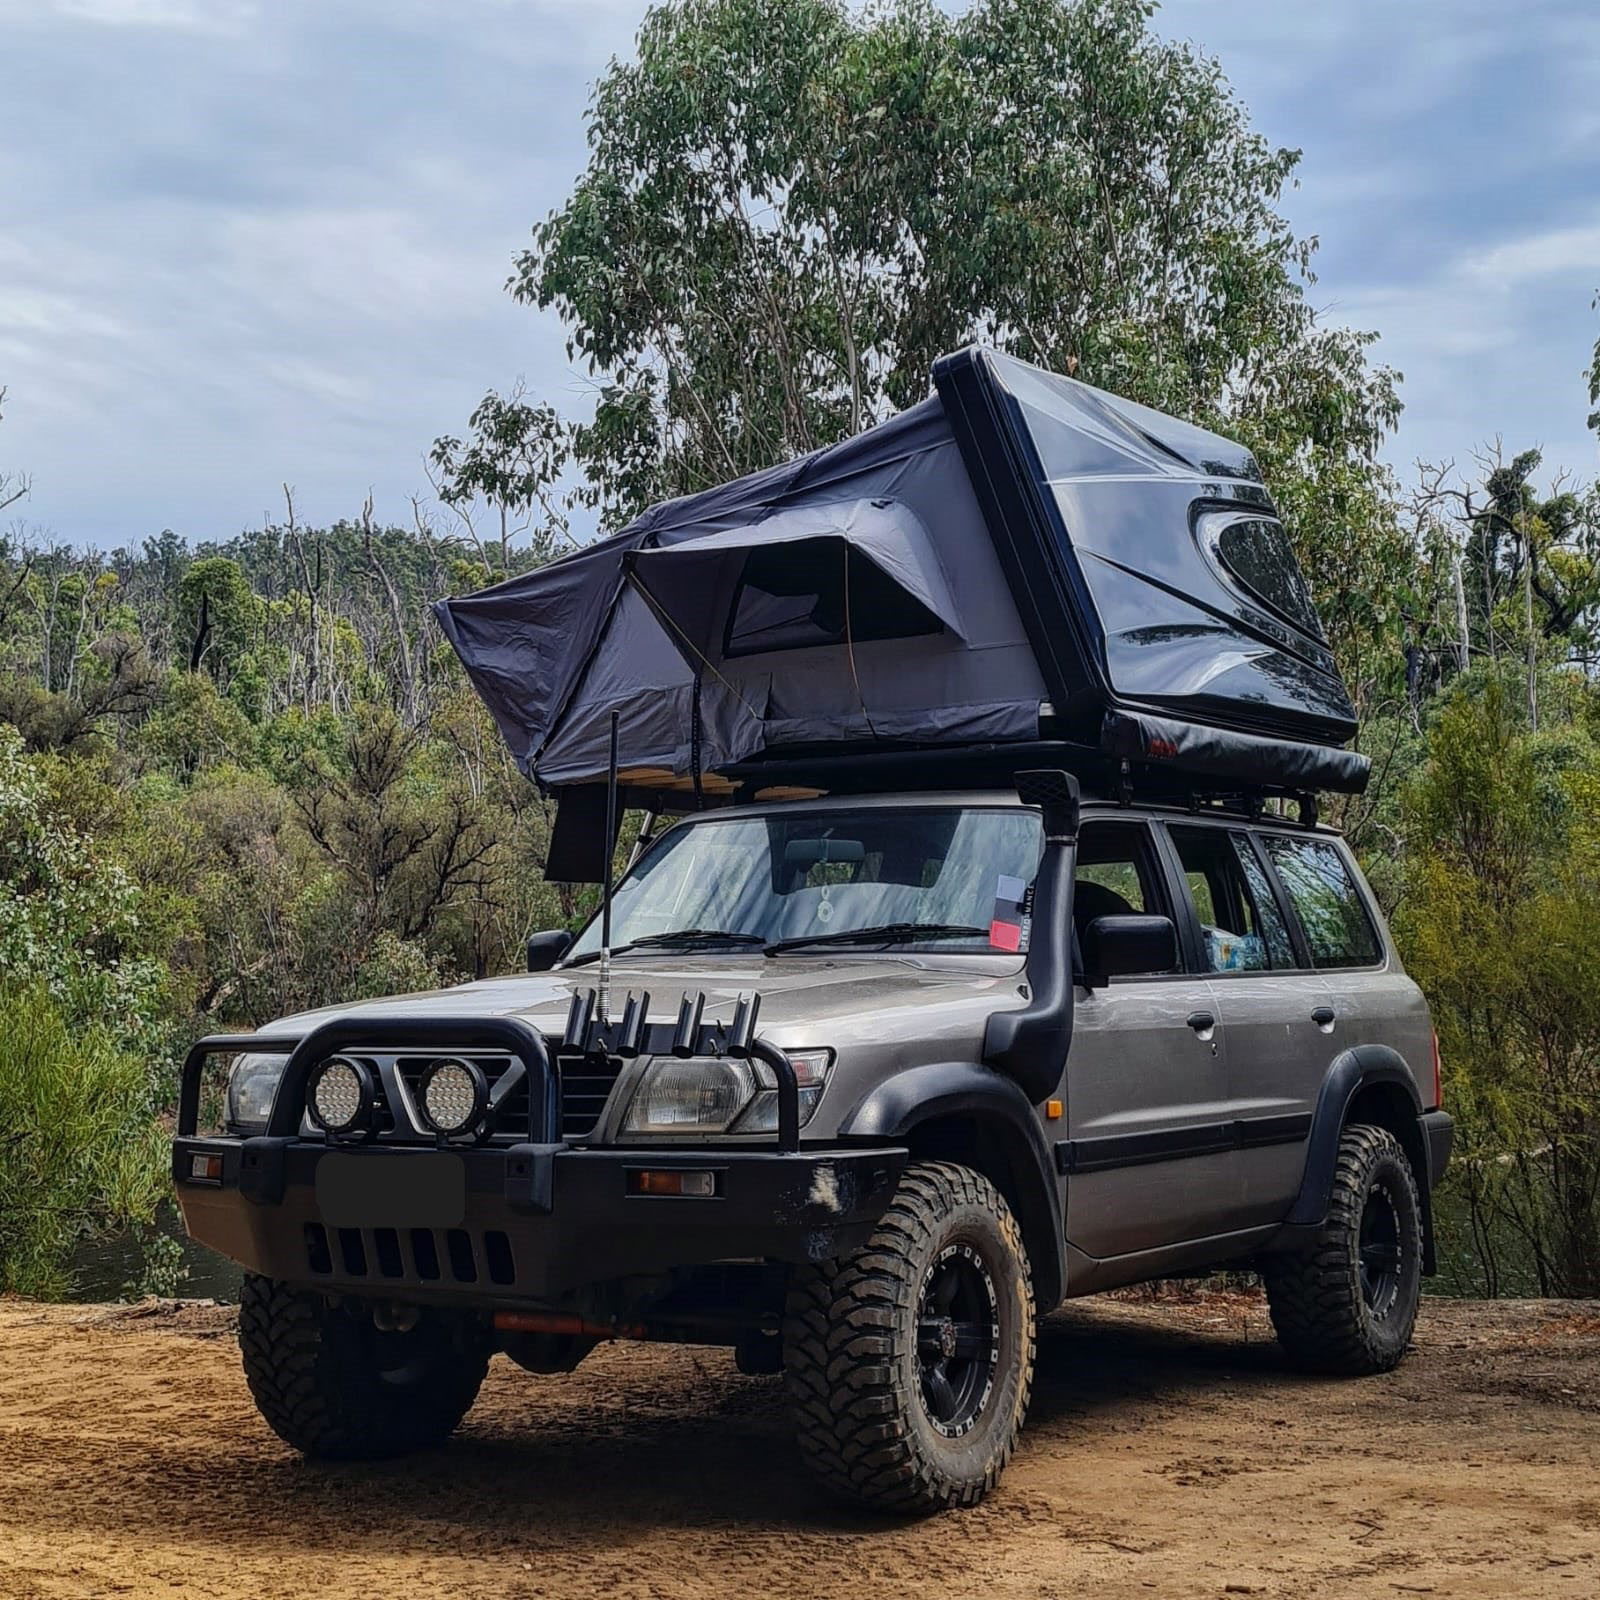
pixel 792 597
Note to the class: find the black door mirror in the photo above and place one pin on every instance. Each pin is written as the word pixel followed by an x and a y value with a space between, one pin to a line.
pixel 1114 947
pixel 545 949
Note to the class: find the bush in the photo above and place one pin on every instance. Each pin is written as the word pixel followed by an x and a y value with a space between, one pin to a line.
pixel 81 1152
pixel 69 918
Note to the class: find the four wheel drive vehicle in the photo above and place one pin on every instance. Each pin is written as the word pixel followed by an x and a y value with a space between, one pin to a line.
pixel 935 1005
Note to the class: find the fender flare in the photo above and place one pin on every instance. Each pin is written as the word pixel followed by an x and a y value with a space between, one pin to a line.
pixel 1348 1073
pixel 893 1109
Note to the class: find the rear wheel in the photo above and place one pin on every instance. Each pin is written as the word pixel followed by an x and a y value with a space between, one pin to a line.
pixel 1349 1305
pixel 909 1363
pixel 331 1382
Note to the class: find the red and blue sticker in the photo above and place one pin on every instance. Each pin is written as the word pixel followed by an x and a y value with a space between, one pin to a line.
pixel 1013 914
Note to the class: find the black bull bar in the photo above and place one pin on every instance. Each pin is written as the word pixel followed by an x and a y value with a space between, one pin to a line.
pixel 588 1034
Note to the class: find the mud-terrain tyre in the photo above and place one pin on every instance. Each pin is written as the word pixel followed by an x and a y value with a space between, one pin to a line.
pixel 1348 1305
pixel 332 1385
pixel 909 1363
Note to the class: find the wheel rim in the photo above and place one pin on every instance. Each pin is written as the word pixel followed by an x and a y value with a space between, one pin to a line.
pixel 958 1339
pixel 1382 1256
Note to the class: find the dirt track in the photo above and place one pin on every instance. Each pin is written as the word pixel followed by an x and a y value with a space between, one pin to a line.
pixel 1168 1451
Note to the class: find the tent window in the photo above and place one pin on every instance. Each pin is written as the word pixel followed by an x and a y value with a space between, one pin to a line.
pixel 791 597
pixel 1256 551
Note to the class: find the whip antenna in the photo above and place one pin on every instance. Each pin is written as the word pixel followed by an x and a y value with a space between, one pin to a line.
pixel 606 885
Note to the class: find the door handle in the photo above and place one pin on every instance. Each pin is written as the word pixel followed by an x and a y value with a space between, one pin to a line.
pixel 1202 1021
pixel 1323 1016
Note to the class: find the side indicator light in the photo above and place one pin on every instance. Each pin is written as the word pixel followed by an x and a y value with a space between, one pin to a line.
pixel 685 1185
pixel 1052 1109
pixel 205 1169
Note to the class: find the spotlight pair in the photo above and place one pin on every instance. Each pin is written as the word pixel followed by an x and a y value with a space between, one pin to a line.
pixel 341 1095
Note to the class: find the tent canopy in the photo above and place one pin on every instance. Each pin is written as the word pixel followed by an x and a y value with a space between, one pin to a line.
pixel 1020 555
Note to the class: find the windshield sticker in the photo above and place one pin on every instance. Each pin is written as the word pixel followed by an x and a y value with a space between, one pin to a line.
pixel 1012 917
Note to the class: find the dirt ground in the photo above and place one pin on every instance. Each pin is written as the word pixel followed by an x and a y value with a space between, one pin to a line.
pixel 1168 1451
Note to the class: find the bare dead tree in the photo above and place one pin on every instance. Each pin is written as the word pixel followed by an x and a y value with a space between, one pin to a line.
pixel 14 486
pixel 402 636
pixel 311 585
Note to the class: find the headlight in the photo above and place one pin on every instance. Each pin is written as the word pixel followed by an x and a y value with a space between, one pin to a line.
pixel 706 1095
pixel 251 1086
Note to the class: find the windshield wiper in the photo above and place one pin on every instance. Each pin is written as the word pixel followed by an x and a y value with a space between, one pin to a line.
pixel 674 936
pixel 888 933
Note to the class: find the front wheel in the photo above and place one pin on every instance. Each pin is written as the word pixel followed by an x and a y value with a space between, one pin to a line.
pixel 331 1383
pixel 1348 1305
pixel 909 1362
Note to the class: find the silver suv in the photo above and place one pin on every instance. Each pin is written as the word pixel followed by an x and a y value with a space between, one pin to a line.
pixel 861 1087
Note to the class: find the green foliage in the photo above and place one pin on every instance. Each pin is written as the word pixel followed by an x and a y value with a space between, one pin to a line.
pixel 81 1151
pixel 1497 921
pixel 69 918
pixel 790 209
pixel 512 464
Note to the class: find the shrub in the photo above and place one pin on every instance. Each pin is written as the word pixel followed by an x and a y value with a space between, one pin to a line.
pixel 81 1152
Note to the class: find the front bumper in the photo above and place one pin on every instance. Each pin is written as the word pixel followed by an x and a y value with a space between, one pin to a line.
pixel 526 1223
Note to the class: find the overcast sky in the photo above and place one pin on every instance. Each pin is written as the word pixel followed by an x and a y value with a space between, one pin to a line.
pixel 244 241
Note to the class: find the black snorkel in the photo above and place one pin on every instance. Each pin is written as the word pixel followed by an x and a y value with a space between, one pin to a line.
pixel 1030 1044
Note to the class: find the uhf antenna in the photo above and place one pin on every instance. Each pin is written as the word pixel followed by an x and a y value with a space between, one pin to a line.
pixel 605 890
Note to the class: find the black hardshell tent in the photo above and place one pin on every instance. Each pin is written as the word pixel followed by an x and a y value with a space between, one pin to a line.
pixel 1020 556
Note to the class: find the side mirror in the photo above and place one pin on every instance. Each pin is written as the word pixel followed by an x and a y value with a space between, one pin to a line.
pixel 545 949
pixel 1114 947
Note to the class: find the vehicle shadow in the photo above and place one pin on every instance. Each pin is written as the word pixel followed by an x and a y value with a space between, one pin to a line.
pixel 636 1440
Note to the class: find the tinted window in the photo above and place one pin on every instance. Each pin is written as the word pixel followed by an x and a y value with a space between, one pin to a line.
pixel 1256 551
pixel 1326 900
pixel 1241 928
pixel 793 596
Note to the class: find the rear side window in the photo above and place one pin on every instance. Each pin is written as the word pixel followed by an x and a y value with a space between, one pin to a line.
pixel 1325 899
pixel 1241 929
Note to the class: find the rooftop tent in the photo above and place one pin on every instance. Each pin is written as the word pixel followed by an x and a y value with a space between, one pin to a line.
pixel 1020 555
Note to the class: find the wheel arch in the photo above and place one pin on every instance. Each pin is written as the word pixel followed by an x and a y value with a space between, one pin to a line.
pixel 963 1112
pixel 1372 1084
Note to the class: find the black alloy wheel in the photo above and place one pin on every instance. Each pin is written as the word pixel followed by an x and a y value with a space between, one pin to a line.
pixel 1381 1254
pixel 958 1339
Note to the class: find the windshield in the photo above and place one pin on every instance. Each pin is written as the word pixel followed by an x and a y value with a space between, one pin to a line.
pixel 938 877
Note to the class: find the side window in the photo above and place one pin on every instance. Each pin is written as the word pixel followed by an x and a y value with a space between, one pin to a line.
pixel 1240 925
pixel 1326 900
pixel 1116 873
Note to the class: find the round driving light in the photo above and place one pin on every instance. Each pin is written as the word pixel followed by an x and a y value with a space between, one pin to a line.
pixel 454 1094
pixel 339 1096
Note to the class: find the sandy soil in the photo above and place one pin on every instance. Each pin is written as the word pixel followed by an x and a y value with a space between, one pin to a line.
pixel 1168 1452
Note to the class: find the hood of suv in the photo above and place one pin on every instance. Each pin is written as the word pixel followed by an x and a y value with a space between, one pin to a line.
pixel 829 999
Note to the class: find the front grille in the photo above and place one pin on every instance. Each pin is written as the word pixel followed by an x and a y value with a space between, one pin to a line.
pixel 584 1093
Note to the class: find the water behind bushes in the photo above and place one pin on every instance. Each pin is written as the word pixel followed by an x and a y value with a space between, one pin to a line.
pixel 118 1268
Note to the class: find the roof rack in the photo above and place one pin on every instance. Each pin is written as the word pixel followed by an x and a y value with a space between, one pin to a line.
pixel 830 770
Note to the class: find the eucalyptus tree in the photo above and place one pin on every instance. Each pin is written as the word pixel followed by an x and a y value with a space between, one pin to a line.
pixel 790 208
